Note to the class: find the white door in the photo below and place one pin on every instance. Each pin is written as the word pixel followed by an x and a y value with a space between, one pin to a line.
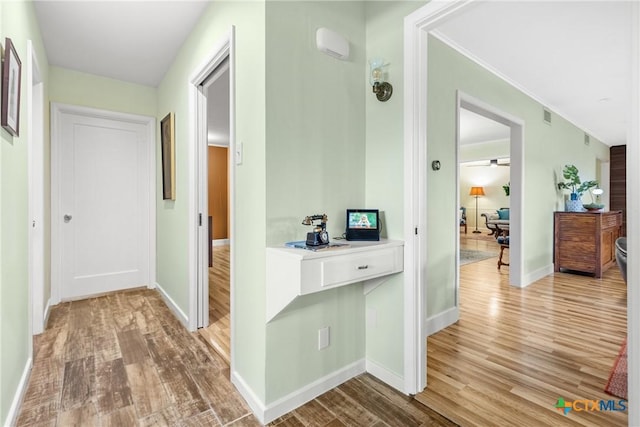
pixel 104 203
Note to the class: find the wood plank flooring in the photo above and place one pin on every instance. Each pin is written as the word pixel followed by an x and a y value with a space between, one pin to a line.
pixel 124 360
pixel 514 352
pixel 218 333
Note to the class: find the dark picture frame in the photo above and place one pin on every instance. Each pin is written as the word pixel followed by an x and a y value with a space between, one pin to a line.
pixel 11 73
pixel 168 148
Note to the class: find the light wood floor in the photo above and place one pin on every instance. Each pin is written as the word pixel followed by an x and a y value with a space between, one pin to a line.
pixel 124 360
pixel 514 352
pixel 218 333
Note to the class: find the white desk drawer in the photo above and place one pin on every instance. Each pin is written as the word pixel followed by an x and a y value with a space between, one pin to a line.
pixel 295 272
pixel 357 267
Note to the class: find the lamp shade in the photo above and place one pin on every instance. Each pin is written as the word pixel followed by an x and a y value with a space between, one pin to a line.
pixel 476 191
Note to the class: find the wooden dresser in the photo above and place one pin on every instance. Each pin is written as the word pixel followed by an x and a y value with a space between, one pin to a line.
pixel 585 241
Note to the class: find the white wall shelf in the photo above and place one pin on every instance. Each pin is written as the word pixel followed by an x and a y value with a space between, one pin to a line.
pixel 295 272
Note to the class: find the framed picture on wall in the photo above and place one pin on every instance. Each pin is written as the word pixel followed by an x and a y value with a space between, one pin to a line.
pixel 168 147
pixel 11 68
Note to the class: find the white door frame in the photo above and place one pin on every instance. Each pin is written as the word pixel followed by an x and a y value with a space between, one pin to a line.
pixel 198 210
pixel 57 112
pixel 633 224
pixel 35 144
pixel 416 27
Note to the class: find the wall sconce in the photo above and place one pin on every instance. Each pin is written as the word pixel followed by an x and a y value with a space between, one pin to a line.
pixel 382 89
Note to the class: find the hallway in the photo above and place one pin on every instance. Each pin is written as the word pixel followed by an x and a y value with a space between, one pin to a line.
pixel 124 360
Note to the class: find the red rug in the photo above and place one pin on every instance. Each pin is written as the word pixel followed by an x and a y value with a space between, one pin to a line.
pixel 617 384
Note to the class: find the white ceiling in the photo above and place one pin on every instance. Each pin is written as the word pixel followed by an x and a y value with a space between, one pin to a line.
pixel 134 41
pixel 475 129
pixel 573 57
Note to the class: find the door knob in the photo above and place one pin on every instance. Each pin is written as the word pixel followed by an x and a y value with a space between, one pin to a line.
pixel 67 218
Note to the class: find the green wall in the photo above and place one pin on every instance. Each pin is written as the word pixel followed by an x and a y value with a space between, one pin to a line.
pixel 172 216
pixel 547 148
pixel 385 174
pixel 315 164
pixel 18 22
pixel 88 90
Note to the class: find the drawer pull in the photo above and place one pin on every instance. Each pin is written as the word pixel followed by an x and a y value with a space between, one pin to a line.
pixel 363 267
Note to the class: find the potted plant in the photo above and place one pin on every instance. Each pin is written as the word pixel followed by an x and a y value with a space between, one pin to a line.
pixel 577 187
pixel 507 188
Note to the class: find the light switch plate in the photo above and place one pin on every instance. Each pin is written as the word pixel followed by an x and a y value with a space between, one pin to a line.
pixel 239 153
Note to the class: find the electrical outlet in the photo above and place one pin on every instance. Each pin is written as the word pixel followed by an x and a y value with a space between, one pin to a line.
pixel 323 338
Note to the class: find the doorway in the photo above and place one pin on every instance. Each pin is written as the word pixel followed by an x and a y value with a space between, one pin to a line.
pixel 218 331
pixel 102 161
pixel 484 186
pixel 212 94
pixel 35 93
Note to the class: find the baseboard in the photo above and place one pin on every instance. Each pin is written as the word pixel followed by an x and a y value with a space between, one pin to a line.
pixel 184 319
pixel 534 276
pixel 47 312
pixel 286 404
pixel 383 374
pixel 17 399
pixel 220 242
pixel 255 403
pixel 442 320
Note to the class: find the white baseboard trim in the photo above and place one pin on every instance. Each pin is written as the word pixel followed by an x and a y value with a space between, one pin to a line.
pixel 47 312
pixel 254 402
pixel 19 395
pixel 534 276
pixel 383 374
pixel 220 242
pixel 184 319
pixel 442 320
pixel 286 404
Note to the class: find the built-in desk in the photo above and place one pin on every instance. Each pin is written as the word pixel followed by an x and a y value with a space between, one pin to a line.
pixel 293 272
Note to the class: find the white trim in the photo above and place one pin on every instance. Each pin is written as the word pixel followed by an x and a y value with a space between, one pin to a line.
pixel 255 403
pixel 633 224
pixel 14 409
pixel 198 236
pixel 47 312
pixel 35 144
pixel 172 305
pixel 383 374
pixel 442 320
pixel 534 276
pixel 288 403
pixel 415 135
pixel 57 112
pixel 220 242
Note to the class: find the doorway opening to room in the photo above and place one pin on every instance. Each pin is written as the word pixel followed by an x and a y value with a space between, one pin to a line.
pixel 489 141
pixel 216 88
pixel 484 187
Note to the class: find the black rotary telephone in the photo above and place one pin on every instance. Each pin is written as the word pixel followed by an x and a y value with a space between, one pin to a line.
pixel 319 236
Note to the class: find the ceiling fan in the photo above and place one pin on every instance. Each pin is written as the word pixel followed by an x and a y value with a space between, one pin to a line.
pixel 493 163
